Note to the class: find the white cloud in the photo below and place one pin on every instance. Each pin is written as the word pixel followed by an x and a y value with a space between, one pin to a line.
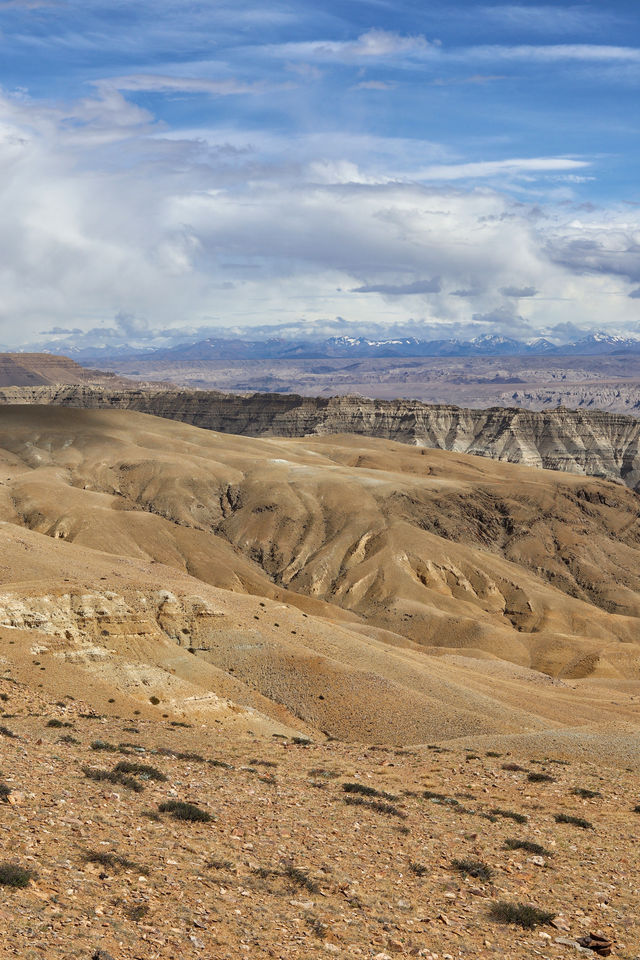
pixel 554 53
pixel 493 168
pixel 159 83
pixel 105 215
pixel 373 45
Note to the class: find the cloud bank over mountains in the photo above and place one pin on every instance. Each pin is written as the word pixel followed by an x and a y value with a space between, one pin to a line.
pixel 223 194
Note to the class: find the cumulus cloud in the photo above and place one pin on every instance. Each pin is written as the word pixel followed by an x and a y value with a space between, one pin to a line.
pixel 635 294
pixel 105 215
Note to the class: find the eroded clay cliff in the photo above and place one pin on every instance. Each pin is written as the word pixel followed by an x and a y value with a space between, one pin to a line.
pixel 591 443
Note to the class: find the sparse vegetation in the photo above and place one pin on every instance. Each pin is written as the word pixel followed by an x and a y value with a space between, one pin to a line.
pixel 111 776
pixel 366 791
pixel 143 770
pixel 103 745
pixel 137 912
pixel 440 797
pixel 183 810
pixel 527 845
pixel 585 793
pixel 5 790
pixel 8 733
pixel 510 815
pixel 13 875
pixel 576 821
pixel 473 868
pixel 541 778
pixel 58 724
pixel 419 869
pixel 514 767
pixel 377 805
pixel 113 861
pixel 300 877
pixel 522 914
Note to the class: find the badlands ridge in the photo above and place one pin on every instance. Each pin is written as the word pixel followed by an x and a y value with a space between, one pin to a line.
pixel 338 585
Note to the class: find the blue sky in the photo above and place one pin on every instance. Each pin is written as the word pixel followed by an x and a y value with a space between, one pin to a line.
pixel 367 167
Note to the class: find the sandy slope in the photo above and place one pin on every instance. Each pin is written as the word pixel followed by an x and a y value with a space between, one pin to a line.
pixel 337 584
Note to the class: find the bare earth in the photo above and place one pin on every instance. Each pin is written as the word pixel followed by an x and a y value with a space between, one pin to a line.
pixel 272 610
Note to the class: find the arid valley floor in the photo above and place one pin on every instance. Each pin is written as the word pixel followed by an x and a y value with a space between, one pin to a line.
pixel 376 670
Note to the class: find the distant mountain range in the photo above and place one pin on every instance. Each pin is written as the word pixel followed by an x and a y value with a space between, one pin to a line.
pixel 218 348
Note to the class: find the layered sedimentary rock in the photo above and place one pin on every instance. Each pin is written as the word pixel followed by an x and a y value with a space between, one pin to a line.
pixel 593 443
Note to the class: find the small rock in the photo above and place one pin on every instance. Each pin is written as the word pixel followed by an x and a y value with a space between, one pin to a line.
pixel 539 861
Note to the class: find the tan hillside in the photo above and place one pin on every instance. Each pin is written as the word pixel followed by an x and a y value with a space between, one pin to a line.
pixel 358 587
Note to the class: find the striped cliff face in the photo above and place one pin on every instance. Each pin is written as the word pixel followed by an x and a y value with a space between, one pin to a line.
pixel 588 443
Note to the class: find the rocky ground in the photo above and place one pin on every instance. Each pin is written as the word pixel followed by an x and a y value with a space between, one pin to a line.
pixel 311 849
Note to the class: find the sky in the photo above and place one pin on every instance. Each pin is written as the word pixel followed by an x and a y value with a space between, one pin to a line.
pixel 362 167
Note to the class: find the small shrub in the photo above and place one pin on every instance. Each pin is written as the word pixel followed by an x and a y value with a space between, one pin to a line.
pixel 325 774
pixel 13 875
pixel 5 790
pixel 492 753
pixel 220 865
pixel 58 723
pixel 67 738
pixel 521 914
pixel 103 745
pixel 510 815
pixel 300 877
pixel 151 815
pixel 514 767
pixel 180 723
pixel 111 776
pixel 528 846
pixel 154 700
pixel 576 821
pixel 182 810
pixel 585 794
pixel 144 770
pixel 473 868
pixel 376 805
pixel 263 763
pixel 8 733
pixel 419 869
pixel 541 778
pixel 114 861
pixel 636 809
pixel 4 697
pixel 137 912
pixel 439 797
pixel 367 791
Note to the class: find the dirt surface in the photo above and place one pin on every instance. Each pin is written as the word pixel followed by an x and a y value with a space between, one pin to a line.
pixel 373 668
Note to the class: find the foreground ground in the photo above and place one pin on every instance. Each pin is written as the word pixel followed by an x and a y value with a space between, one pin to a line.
pixel 289 865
